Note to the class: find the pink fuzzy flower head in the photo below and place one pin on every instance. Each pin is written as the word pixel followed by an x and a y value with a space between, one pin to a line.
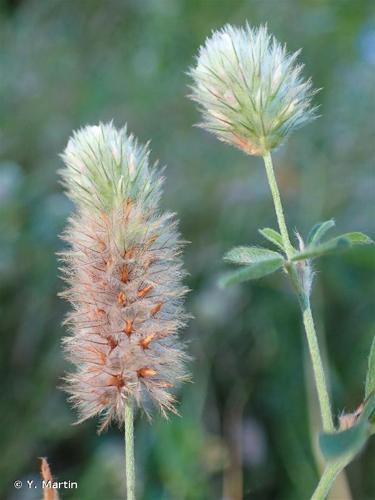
pixel 124 274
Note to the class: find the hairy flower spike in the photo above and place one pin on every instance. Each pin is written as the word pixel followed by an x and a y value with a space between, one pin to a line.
pixel 250 89
pixel 124 274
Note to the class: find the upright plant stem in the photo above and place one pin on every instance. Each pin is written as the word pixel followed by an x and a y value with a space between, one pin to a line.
pixel 312 340
pixel 320 380
pixel 278 206
pixel 129 450
pixel 326 481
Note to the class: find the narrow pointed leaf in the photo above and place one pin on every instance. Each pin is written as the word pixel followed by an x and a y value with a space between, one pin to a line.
pixel 272 236
pixel 369 410
pixel 342 242
pixel 318 231
pixel 250 255
pixel 350 441
pixel 370 377
pixel 254 271
pixel 314 251
pixel 357 238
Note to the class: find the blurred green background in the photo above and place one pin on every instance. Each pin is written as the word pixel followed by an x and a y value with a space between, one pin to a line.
pixel 247 418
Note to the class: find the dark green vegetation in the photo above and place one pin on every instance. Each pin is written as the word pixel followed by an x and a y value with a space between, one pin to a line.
pixel 247 418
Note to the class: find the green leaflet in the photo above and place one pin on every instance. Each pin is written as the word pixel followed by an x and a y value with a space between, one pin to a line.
pixel 257 262
pixel 247 273
pixel 370 377
pixel 250 255
pixel 338 444
pixel 272 236
pixel 350 441
pixel 344 241
pixel 318 231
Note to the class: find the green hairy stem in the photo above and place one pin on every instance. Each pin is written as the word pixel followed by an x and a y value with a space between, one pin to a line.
pixel 320 381
pixel 278 206
pixel 329 475
pixel 129 450
pixel 331 470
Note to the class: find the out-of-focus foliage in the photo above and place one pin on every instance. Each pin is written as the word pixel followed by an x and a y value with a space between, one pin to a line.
pixel 246 419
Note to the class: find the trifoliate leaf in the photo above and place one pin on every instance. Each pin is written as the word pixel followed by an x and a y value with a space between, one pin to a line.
pixel 344 241
pixel 250 255
pixel 370 377
pixel 272 236
pixel 318 231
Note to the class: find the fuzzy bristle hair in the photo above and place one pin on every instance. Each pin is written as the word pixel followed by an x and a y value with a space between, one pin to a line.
pixel 124 275
pixel 250 90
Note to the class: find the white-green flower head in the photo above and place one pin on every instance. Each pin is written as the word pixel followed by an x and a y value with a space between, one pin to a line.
pixel 105 165
pixel 250 90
